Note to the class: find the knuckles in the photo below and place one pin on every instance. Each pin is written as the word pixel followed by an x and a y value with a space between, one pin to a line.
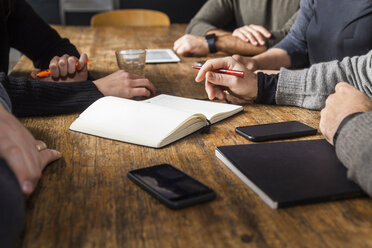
pixel 187 46
pixel 12 150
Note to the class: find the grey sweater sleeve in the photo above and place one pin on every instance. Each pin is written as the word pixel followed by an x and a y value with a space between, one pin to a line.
pixel 213 15
pixel 353 148
pixel 310 88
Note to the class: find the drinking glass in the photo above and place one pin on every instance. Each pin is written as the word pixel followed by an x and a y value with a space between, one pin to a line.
pixel 133 61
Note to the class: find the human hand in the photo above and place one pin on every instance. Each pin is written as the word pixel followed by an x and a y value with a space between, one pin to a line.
pixel 244 90
pixel 345 101
pixel 25 156
pixel 249 62
pixel 255 34
pixel 64 69
pixel 191 44
pixel 125 84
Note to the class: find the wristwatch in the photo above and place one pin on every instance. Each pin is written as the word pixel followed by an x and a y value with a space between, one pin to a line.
pixel 211 40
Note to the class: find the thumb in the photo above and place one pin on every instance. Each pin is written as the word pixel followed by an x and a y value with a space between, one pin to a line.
pixel 214 64
pixel 82 63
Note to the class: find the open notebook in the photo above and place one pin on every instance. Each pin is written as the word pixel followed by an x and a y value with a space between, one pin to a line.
pixel 155 122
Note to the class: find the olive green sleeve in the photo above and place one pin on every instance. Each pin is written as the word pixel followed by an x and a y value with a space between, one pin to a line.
pixel 213 15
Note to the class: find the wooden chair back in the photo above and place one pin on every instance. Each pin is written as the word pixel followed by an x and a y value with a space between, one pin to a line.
pixel 130 18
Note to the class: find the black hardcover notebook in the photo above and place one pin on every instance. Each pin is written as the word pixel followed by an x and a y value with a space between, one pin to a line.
pixel 284 174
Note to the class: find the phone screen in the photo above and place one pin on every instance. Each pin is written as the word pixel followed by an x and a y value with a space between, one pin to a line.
pixel 167 182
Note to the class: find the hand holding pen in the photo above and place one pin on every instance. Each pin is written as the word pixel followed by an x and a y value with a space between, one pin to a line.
pixel 66 68
pixel 235 81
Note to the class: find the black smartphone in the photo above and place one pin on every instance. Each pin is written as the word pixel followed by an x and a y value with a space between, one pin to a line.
pixel 171 186
pixel 273 131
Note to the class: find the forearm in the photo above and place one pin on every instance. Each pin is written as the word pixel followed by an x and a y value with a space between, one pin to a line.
pixel 272 59
pixel 35 98
pixel 310 88
pixel 353 148
pixel 11 206
pixel 234 45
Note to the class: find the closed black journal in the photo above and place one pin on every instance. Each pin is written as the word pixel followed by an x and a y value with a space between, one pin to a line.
pixel 285 174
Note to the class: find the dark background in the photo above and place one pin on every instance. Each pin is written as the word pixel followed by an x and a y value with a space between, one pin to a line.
pixel 179 11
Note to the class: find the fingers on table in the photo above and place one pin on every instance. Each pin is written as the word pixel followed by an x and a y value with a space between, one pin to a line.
pixel 143 86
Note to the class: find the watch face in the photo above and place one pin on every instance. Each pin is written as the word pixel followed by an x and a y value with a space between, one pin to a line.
pixel 210 36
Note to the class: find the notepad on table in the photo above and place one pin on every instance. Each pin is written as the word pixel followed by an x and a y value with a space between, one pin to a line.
pixel 155 122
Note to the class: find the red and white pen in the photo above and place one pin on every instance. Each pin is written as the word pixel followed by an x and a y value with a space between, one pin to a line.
pixel 225 71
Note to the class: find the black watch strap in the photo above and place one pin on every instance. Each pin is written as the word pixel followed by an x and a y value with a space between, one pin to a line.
pixel 211 40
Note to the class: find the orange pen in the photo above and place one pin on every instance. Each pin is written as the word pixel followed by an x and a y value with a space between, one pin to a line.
pixel 47 72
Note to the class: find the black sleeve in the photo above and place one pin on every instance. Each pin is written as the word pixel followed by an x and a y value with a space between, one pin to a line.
pixel 35 38
pixel 267 86
pixel 36 98
pixel 12 209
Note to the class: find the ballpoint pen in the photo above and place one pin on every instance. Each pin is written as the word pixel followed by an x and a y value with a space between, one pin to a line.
pixel 225 71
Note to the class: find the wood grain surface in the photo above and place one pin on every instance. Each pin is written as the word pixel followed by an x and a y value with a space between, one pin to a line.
pixel 86 200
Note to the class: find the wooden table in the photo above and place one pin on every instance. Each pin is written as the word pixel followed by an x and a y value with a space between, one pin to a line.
pixel 86 200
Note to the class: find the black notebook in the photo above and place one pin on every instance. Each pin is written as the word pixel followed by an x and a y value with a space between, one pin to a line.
pixel 290 173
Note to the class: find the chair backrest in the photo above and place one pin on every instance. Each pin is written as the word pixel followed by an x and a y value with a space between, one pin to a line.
pixel 130 18
pixel 85 6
